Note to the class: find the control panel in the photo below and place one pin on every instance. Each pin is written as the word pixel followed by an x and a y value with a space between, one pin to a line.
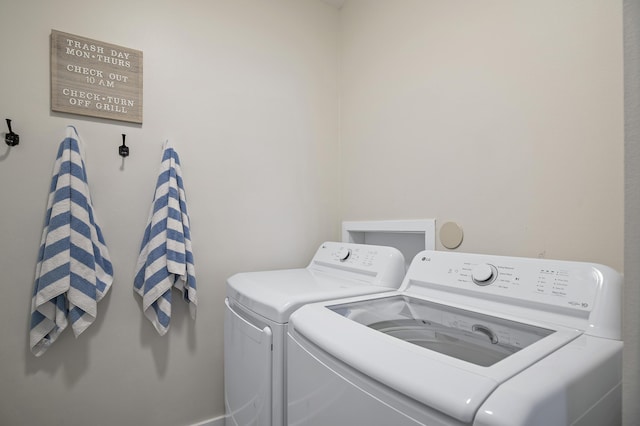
pixel 571 285
pixel 378 265
pixel 580 295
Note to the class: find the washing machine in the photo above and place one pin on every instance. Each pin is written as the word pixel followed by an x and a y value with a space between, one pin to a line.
pixel 258 306
pixel 467 339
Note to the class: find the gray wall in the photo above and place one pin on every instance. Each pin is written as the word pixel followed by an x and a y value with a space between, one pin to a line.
pixel 505 116
pixel 631 310
pixel 248 92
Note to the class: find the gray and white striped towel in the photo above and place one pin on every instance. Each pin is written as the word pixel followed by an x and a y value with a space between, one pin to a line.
pixel 166 257
pixel 74 269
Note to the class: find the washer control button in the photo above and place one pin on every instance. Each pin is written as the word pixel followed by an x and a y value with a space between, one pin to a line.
pixel 483 274
pixel 343 254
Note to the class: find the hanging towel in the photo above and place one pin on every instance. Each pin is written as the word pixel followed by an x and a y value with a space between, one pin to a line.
pixel 166 258
pixel 74 269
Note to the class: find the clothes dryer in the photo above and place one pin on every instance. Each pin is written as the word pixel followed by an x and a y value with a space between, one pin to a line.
pixel 466 340
pixel 258 306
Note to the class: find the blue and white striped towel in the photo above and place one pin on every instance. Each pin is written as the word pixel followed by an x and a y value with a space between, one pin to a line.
pixel 74 269
pixel 166 258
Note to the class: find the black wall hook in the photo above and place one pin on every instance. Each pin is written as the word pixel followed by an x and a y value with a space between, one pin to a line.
pixel 123 150
pixel 11 138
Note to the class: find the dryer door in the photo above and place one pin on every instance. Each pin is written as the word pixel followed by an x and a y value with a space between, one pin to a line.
pixel 247 370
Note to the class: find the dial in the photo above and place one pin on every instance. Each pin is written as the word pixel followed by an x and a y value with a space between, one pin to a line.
pixel 343 254
pixel 483 274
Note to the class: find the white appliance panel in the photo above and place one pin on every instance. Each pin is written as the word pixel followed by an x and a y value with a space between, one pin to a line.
pixel 257 311
pixel 589 393
pixel 410 369
pixel 335 394
pixel 337 270
pixel 558 321
pixel 571 294
pixel 466 335
pixel 248 370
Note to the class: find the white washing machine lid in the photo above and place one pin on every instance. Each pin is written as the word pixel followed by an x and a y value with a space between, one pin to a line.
pixel 466 335
pixel 442 377
pixel 275 295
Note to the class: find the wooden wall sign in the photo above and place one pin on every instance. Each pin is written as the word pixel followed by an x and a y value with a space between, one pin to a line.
pixel 94 78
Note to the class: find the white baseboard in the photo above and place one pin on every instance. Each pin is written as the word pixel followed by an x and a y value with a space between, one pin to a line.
pixel 217 421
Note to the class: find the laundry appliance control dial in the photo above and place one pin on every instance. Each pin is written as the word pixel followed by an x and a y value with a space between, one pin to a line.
pixel 484 274
pixel 343 254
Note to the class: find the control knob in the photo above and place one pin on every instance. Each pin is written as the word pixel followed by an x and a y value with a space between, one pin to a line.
pixel 484 274
pixel 343 254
